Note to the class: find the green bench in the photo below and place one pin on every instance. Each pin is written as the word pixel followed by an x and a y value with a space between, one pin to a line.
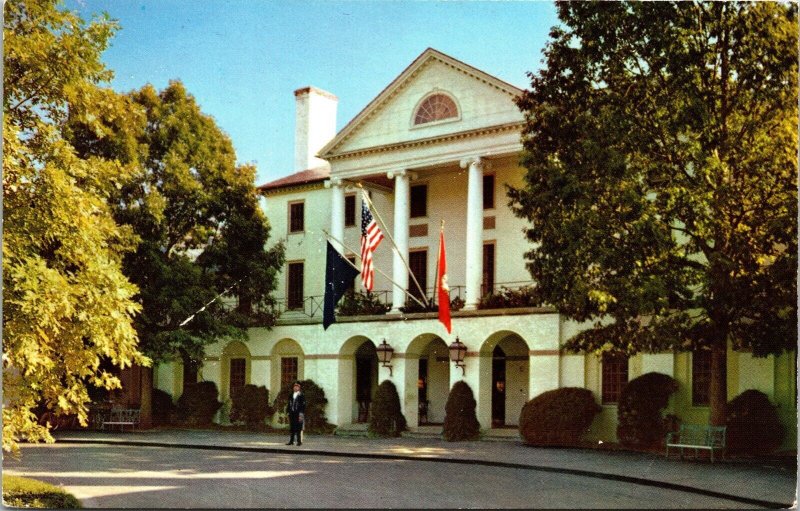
pixel 694 436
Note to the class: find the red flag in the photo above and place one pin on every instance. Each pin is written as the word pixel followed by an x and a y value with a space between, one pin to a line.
pixel 441 284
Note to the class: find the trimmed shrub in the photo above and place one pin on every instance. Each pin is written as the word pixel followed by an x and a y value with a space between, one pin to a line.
pixel 250 404
pixel 387 419
pixel 22 492
pixel 753 424
pixel 198 403
pixel 460 420
pixel 315 419
pixel 640 422
pixel 164 411
pixel 558 417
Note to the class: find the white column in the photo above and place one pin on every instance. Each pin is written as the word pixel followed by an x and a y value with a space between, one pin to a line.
pixel 402 193
pixel 474 250
pixel 337 212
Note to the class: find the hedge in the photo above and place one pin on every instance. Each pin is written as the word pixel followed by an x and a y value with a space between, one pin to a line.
pixel 753 424
pixel 460 420
pixel 387 420
pixel 558 417
pixel 250 404
pixel 640 422
pixel 198 403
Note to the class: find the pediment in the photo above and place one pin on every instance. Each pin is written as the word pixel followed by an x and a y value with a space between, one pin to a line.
pixel 482 101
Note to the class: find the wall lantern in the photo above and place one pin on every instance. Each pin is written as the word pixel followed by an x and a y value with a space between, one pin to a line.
pixel 458 351
pixel 385 353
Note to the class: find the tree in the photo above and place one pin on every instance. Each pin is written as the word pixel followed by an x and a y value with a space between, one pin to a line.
pixel 67 306
pixel 202 231
pixel 661 155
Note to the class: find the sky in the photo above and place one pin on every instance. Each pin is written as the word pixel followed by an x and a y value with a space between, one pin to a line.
pixel 242 60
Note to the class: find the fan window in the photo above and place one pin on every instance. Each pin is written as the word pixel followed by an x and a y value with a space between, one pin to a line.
pixel 436 108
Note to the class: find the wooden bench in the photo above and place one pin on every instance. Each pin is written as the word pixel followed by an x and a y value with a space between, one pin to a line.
pixel 122 417
pixel 694 436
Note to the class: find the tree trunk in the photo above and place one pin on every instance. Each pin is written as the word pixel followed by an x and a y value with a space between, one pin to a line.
pixel 245 304
pixel 146 406
pixel 718 389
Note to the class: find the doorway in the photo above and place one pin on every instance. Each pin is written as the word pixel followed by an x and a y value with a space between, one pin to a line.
pixel 366 380
pixel 498 387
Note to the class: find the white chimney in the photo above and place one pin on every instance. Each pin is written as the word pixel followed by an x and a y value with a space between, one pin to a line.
pixel 315 125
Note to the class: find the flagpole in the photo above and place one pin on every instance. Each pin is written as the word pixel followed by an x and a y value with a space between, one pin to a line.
pixel 328 235
pixel 436 292
pixel 394 245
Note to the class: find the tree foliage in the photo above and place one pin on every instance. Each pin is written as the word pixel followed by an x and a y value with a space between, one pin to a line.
pixel 67 305
pixel 661 154
pixel 197 214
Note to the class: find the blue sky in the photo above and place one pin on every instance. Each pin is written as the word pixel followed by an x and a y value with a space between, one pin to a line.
pixel 243 59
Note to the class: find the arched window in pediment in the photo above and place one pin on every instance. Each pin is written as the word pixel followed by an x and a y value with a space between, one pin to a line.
pixel 435 108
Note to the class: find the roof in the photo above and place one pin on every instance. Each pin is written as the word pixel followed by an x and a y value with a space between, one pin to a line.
pixel 329 149
pixel 298 178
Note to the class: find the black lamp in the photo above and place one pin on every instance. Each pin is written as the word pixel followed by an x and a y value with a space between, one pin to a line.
pixel 458 351
pixel 385 353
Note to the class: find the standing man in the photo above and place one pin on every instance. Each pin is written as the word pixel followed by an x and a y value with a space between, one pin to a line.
pixel 296 408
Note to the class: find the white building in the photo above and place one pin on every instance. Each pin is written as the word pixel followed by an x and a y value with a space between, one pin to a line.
pixel 440 142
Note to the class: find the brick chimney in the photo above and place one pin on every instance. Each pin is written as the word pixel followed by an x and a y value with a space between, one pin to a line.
pixel 315 125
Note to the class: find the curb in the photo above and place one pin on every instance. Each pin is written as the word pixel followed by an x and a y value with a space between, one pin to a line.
pixel 457 461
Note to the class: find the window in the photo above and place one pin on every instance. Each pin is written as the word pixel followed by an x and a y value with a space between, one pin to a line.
pixel 418 262
pixel 295 286
pixel 349 210
pixel 488 191
pixel 488 269
pixel 237 373
pixel 435 108
pixel 288 371
pixel 701 377
pixel 615 376
pixel 419 201
pixel 296 217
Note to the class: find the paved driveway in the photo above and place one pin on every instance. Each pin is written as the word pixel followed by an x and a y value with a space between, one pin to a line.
pixel 166 477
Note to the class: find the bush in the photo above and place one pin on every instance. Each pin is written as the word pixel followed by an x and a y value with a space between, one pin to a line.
pixel 387 419
pixel 640 422
pixel 250 405
pixel 753 424
pixel 315 419
pixel 26 493
pixel 558 417
pixel 460 421
pixel 198 403
pixel 164 411
pixel 526 296
pixel 358 304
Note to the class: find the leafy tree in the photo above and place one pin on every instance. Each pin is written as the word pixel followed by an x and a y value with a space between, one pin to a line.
pixel 67 306
pixel 197 214
pixel 661 154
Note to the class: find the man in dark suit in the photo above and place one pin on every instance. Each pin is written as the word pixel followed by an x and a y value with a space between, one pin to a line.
pixel 296 408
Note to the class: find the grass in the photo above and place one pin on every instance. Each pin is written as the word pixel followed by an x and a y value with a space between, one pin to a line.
pixel 27 493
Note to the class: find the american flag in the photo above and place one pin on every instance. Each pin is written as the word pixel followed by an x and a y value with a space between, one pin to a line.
pixel 371 237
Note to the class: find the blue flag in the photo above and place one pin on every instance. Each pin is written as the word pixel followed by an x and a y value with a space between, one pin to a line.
pixel 339 275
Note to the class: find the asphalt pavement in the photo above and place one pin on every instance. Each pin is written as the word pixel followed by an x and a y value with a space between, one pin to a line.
pixel 759 483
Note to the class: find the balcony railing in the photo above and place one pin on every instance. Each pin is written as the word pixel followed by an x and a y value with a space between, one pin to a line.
pixel 501 295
